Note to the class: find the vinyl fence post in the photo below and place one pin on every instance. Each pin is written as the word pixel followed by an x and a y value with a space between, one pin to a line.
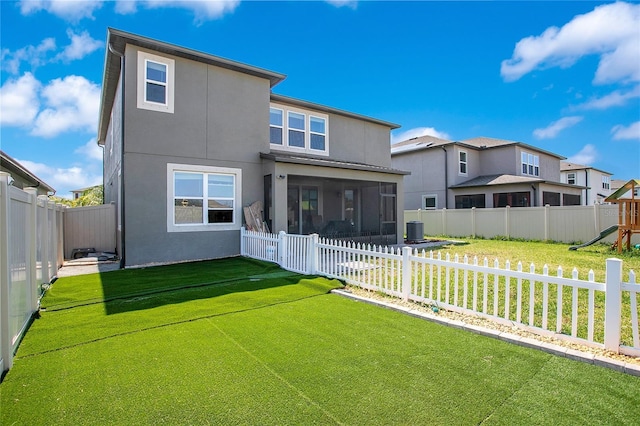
pixel 507 221
pixel 473 222
pixel 406 273
pixel 612 306
pixel 44 238
pixel 32 244
pixel 6 346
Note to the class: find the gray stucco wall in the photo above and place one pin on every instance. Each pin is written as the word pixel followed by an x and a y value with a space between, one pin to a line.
pixel 220 119
pixel 427 176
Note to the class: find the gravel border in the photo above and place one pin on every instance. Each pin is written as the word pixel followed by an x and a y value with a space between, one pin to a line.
pixel 597 356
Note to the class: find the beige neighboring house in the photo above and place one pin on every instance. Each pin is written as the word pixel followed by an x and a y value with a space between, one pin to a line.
pixel 22 177
pixel 77 193
pixel 480 172
pixel 596 183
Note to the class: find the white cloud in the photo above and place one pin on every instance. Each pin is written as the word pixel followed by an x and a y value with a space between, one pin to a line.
pixel 610 31
pixel 81 45
pixel 552 130
pixel 631 131
pixel 71 10
pixel 343 3
pixel 90 150
pixel 203 10
pixel 586 156
pixel 72 103
pixel 63 180
pixel 417 132
pixel 19 102
pixel 613 99
pixel 34 55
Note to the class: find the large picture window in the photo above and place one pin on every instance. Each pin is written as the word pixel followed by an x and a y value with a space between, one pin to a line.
pixel 202 198
pixel 298 130
pixel 155 82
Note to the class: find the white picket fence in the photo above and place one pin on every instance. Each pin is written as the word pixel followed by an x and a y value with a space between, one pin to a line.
pixel 547 303
pixel 31 247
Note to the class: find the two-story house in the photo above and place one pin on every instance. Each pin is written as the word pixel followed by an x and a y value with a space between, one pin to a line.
pixel 480 172
pixel 190 139
pixel 596 183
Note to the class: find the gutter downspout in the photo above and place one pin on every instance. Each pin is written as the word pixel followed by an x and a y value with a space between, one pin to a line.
pixel 121 189
pixel 586 190
pixel 446 178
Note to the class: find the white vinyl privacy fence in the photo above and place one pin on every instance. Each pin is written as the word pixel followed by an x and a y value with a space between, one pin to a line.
pixel 566 224
pixel 534 298
pixel 30 255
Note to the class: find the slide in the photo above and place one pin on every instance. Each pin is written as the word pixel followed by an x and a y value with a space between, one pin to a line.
pixel 610 230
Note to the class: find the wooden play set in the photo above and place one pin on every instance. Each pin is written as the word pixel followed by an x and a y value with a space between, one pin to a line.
pixel 628 200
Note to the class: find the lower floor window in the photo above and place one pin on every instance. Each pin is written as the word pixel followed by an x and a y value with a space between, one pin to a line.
pixel 202 197
pixel 469 201
pixel 512 199
pixel 429 202
pixel 570 200
pixel 550 198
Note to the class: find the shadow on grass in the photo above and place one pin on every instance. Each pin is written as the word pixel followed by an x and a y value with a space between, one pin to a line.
pixel 131 289
pixel 156 298
pixel 148 288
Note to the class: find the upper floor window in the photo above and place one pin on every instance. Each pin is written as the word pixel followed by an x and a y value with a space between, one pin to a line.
pixel 202 198
pixel 606 183
pixel 530 164
pixel 462 162
pixel 275 126
pixel 298 130
pixel 571 178
pixel 155 82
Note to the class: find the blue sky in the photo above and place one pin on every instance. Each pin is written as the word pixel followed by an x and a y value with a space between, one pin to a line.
pixel 562 76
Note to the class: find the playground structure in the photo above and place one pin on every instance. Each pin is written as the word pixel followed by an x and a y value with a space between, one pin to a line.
pixel 628 201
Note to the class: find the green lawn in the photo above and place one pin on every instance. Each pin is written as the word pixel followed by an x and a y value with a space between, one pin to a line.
pixel 247 343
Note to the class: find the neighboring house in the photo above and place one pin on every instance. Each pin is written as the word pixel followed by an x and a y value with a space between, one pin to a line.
pixel 596 183
pixel 77 193
pixel 480 172
pixel 22 177
pixel 190 139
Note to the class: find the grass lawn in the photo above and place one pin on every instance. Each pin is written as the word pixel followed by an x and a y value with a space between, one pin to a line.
pixel 247 343
pixel 552 254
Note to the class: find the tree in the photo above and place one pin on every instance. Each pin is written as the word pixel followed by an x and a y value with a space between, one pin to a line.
pixel 93 196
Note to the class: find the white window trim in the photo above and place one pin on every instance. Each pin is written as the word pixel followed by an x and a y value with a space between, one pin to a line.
pixel 281 127
pixel 532 160
pixel 143 58
pixel 425 196
pixel 574 178
pixel 237 211
pixel 466 163
pixel 286 109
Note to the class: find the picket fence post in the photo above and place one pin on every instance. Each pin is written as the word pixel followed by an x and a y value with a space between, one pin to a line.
pixel 406 273
pixel 242 246
pixel 313 254
pixel 613 305
pixel 6 346
pixel 282 247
